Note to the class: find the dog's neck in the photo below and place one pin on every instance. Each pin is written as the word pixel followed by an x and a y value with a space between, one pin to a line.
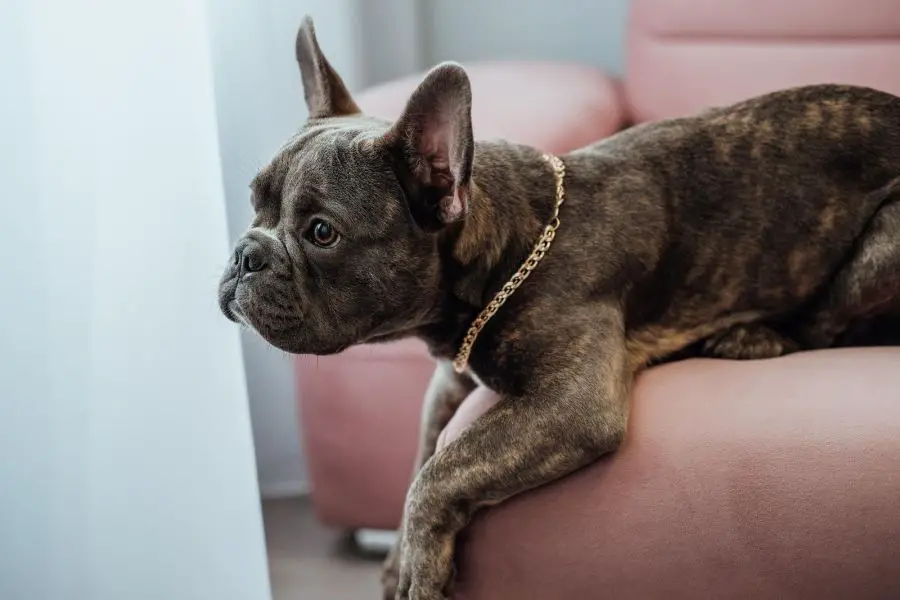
pixel 512 196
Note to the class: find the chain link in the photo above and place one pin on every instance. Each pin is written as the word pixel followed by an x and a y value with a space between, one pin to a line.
pixel 461 361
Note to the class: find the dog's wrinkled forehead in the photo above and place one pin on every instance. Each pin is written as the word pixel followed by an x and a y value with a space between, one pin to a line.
pixel 333 164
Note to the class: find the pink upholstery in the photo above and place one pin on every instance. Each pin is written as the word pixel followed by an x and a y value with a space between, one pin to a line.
pixel 359 413
pixel 739 480
pixel 685 55
pixel 555 107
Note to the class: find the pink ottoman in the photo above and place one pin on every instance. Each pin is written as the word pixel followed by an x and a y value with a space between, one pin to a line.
pixel 359 410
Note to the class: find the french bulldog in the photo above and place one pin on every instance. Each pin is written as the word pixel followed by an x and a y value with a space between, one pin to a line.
pixel 746 231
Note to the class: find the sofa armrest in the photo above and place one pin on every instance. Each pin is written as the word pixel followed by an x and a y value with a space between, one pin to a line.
pixel 758 479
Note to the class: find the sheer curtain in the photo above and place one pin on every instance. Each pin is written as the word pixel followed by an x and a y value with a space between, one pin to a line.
pixel 126 458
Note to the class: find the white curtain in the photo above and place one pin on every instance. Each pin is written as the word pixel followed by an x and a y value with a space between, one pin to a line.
pixel 126 458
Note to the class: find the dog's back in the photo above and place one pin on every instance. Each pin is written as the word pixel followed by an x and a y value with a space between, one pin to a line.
pixel 742 212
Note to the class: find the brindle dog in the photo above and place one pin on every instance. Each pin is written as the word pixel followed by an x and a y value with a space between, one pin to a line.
pixel 747 231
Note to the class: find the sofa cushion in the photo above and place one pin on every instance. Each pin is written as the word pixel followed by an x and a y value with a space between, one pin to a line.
pixel 756 479
pixel 359 414
pixel 683 55
pixel 555 107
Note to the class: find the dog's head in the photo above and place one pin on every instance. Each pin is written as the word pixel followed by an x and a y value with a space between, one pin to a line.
pixel 343 247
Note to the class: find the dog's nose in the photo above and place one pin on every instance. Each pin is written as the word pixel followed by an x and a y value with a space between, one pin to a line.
pixel 249 257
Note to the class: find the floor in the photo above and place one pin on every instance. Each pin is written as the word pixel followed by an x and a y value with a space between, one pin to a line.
pixel 307 561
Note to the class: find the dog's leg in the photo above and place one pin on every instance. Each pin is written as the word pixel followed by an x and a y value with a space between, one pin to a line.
pixel 575 410
pixel 445 393
pixel 866 287
pixel 748 342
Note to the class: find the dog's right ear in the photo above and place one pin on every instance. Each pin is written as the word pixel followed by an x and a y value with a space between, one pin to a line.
pixel 433 147
pixel 324 90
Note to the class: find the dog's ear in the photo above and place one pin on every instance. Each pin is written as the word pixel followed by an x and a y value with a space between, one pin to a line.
pixel 433 146
pixel 324 90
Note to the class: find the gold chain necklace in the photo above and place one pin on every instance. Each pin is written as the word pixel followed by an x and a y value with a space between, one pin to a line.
pixel 461 361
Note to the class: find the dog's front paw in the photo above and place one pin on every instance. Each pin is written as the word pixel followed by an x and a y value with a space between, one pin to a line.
pixel 412 588
pixel 398 583
pixel 426 568
pixel 419 590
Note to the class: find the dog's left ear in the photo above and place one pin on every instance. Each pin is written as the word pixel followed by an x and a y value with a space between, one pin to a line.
pixel 432 142
pixel 324 90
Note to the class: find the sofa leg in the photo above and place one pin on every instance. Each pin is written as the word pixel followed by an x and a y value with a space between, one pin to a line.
pixel 374 541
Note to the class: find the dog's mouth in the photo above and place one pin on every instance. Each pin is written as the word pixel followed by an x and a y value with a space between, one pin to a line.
pixel 227 302
pixel 242 304
pixel 229 305
pixel 236 314
pixel 239 305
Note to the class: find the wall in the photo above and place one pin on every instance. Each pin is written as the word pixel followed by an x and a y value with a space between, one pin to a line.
pixel 259 103
pixel 587 31
pixel 125 451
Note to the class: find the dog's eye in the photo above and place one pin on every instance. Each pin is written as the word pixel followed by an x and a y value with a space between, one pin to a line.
pixel 323 234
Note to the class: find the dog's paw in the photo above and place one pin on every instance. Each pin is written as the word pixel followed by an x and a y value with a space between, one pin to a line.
pixel 422 590
pixel 419 591
pixel 749 342
pixel 426 568
pixel 418 586
pixel 422 594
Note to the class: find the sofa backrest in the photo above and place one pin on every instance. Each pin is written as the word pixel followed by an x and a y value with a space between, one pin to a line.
pixel 686 55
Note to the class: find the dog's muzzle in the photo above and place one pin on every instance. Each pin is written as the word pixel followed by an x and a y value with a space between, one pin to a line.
pixel 248 259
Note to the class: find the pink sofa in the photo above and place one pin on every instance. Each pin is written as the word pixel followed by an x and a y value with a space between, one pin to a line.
pixel 767 479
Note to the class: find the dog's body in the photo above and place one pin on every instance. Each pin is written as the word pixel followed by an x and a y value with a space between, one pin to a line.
pixel 748 231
